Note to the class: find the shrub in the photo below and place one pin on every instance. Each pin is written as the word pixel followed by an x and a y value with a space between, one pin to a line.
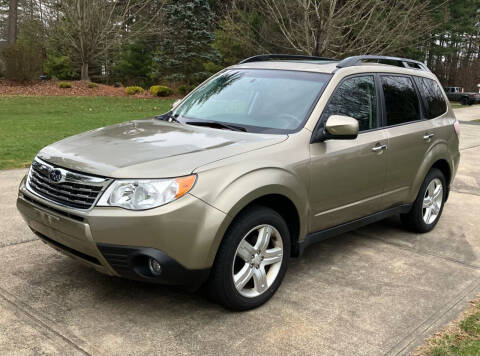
pixel 60 67
pixel 160 90
pixel 22 62
pixel 65 85
pixel 185 89
pixel 134 90
pixel 92 85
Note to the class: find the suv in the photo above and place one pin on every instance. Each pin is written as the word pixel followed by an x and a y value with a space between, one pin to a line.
pixel 458 94
pixel 260 161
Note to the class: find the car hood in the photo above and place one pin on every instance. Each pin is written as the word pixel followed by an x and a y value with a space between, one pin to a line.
pixel 151 148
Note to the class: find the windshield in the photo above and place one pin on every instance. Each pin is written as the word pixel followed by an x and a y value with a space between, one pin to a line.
pixel 268 101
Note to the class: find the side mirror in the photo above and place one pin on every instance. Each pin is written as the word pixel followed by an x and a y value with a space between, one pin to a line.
pixel 175 103
pixel 338 127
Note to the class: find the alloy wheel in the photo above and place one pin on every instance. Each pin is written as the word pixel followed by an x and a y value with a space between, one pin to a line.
pixel 257 261
pixel 432 201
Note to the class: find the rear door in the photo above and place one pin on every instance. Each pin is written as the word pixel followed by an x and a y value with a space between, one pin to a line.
pixel 409 132
pixel 435 109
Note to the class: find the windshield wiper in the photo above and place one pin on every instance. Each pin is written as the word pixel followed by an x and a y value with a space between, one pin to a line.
pixel 216 124
pixel 169 117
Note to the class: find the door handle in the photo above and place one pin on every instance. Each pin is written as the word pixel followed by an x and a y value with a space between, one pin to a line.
pixel 428 136
pixel 379 148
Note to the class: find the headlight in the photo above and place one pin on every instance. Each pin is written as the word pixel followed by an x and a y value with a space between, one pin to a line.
pixel 142 194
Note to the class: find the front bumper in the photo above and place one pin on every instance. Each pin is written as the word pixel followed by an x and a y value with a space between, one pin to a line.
pixel 181 235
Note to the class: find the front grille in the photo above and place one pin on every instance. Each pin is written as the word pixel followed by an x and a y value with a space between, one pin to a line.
pixel 69 188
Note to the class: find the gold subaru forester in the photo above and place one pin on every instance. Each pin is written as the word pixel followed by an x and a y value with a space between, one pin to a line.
pixel 260 161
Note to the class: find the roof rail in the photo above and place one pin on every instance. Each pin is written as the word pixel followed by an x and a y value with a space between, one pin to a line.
pixel 266 57
pixel 400 62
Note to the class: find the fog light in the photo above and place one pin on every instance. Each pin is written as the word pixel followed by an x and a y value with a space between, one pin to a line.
pixel 154 266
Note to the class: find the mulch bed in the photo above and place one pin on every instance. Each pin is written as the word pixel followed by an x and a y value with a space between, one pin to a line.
pixel 50 88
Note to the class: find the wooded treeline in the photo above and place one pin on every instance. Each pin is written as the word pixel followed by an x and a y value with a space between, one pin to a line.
pixel 144 42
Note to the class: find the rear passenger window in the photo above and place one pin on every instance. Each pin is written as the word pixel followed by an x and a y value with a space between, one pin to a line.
pixel 401 101
pixel 434 98
pixel 355 97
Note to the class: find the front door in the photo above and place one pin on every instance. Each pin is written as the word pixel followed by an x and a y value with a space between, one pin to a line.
pixel 348 176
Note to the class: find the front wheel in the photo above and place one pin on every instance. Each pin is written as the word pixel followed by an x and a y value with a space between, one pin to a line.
pixel 252 259
pixel 428 206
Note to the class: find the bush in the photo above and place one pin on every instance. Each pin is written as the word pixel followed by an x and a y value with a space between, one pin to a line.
pixel 92 85
pixel 22 62
pixel 60 67
pixel 65 85
pixel 134 90
pixel 160 90
pixel 185 89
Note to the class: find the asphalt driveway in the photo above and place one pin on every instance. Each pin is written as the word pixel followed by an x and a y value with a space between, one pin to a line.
pixel 374 291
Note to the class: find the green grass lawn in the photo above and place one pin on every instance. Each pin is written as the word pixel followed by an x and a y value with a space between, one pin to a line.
pixel 461 338
pixel 28 124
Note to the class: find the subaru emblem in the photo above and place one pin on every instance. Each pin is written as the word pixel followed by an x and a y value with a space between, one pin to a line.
pixel 56 175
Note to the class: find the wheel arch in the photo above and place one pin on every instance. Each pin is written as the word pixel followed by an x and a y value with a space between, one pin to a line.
pixel 442 165
pixel 285 197
pixel 287 210
pixel 437 157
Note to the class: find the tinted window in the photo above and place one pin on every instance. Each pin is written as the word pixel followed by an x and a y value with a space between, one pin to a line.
pixel 401 101
pixel 434 98
pixel 355 97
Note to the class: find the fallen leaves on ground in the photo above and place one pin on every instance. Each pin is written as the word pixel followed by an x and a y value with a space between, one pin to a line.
pixel 50 88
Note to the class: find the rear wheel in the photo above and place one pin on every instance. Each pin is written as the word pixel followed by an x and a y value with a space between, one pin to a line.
pixel 465 101
pixel 428 206
pixel 252 259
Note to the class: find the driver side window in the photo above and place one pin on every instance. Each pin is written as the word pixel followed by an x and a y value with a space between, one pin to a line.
pixel 355 97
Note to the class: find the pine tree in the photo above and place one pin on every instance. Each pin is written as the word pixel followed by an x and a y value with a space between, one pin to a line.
pixel 187 42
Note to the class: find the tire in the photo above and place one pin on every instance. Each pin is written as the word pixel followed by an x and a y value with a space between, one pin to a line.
pixel 261 278
pixel 465 101
pixel 418 219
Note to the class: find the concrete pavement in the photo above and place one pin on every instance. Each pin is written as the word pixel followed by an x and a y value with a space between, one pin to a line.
pixel 467 113
pixel 377 290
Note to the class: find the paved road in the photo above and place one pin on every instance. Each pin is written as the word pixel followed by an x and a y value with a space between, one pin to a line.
pixel 377 290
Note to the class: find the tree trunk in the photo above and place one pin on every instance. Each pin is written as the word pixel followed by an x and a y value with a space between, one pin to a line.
pixel 12 21
pixel 84 75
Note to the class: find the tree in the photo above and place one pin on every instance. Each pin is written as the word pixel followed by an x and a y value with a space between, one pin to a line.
pixel 453 50
pixel 132 64
pixel 12 22
pixel 187 41
pixel 336 28
pixel 90 29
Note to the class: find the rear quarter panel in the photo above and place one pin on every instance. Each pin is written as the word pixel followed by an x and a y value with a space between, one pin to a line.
pixel 445 147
